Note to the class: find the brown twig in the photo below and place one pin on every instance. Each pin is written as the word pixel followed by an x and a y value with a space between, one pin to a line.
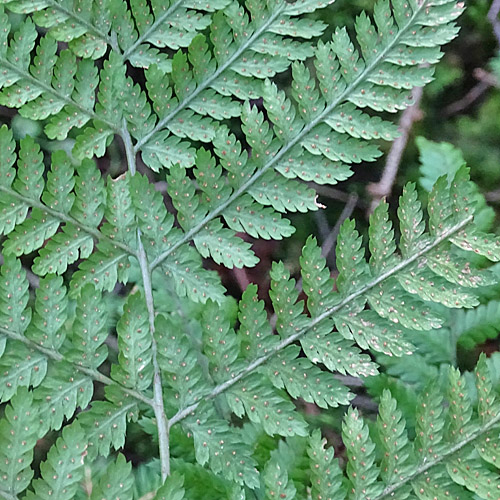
pixel 493 18
pixel 467 100
pixel 485 79
pixel 383 187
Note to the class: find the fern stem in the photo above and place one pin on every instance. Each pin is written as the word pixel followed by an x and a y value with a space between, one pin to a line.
pixel 288 146
pixel 157 23
pixel 129 149
pixel 429 464
pixel 94 374
pixel 48 89
pixel 184 412
pixel 95 233
pixel 206 84
pixel 158 404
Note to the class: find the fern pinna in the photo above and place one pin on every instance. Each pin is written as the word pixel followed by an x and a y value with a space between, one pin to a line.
pixel 204 113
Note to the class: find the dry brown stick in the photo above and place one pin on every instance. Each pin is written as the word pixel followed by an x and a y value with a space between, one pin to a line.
pixel 383 187
pixel 486 80
pixel 467 100
pixel 493 18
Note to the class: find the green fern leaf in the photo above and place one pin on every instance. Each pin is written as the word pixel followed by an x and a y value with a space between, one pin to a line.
pixel 283 293
pixel 475 326
pixel 488 405
pixel 31 234
pixel 283 195
pixel 277 481
pixel 62 392
pixel 110 263
pixel 134 341
pixel 326 476
pixel 216 443
pixel 63 469
pixel 316 280
pixel 78 112
pixel 382 245
pixel 460 409
pixel 19 435
pixel 397 458
pixel 117 481
pixel 153 219
pixel 72 242
pixel 255 335
pixel 401 308
pixel 14 296
pixel 337 354
pixel 473 476
pixel 479 243
pixel 105 426
pixel 184 268
pixel 172 488
pixel 434 288
pixel 264 406
pixel 21 367
pixel 179 363
pixel 221 346
pixel 303 379
pixel 50 314
pixel 429 427
pixel 370 331
pixel 362 473
pixel 89 330
pixel 351 264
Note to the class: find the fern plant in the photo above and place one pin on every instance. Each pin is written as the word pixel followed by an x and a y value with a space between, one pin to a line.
pixel 188 91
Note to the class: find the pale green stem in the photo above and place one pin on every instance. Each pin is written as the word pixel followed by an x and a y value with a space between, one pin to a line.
pixel 146 271
pixel 184 412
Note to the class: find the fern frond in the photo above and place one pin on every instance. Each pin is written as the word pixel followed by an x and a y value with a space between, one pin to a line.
pixel 307 132
pixel 172 489
pixel 362 473
pixel 186 352
pixel 326 476
pixel 477 325
pixel 377 329
pixel 76 205
pixel 383 462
